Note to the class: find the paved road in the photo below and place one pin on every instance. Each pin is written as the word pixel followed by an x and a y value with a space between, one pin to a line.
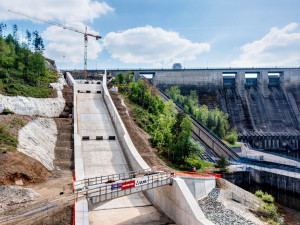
pixel 104 157
pixel 246 152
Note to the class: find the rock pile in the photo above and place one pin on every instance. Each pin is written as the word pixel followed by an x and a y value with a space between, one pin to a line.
pixel 217 213
pixel 12 197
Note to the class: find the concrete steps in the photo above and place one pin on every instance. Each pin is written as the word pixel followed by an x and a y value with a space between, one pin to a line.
pixel 65 164
pixel 65 144
pixel 65 136
pixel 64 150
pixel 64 153
pixel 68 96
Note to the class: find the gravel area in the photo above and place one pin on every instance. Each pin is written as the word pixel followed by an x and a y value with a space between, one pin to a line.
pixel 13 197
pixel 217 213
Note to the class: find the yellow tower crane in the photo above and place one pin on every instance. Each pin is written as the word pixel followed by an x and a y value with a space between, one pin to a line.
pixel 85 34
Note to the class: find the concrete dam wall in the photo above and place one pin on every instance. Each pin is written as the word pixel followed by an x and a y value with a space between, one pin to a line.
pixel 263 104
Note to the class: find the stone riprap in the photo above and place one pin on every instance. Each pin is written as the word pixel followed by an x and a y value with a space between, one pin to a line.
pixel 38 139
pixel 45 107
pixel 12 197
pixel 217 213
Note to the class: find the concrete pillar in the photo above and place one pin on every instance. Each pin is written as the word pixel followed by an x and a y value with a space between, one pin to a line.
pixel 240 81
pixel 262 82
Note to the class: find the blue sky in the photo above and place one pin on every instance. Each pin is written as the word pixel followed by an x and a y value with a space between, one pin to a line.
pixel 157 33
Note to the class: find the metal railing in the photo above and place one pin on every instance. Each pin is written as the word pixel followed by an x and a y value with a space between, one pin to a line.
pixel 112 178
pixel 105 188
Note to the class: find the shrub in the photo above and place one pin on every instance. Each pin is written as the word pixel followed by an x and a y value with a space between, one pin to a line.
pixel 193 163
pixel 222 164
pixel 259 193
pixel 232 137
pixel 267 198
pixel 272 209
pixel 3 74
pixel 7 111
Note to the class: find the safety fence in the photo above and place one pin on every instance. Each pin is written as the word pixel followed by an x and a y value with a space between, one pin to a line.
pixel 117 185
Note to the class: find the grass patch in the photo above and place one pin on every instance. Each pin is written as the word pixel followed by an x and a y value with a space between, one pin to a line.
pixel 267 211
pixel 236 145
pixel 18 87
pixel 8 142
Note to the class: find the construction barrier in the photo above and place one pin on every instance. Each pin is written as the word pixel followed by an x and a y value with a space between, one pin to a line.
pixel 74 212
pixel 213 174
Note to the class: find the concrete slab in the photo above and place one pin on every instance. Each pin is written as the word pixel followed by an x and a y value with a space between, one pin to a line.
pixel 106 157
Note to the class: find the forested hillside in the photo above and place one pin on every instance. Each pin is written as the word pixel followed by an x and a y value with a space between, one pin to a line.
pixel 23 71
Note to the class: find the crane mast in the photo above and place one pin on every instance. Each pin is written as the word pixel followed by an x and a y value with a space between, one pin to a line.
pixel 85 33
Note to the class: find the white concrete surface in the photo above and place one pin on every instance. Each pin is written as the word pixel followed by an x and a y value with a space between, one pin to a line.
pixel 38 139
pixel 179 204
pixel 200 186
pixel 45 107
pixel 104 157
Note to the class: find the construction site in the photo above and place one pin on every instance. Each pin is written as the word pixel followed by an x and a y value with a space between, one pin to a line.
pixel 113 146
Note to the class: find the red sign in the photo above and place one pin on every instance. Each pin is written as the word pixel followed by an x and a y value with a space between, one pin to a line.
pixel 129 184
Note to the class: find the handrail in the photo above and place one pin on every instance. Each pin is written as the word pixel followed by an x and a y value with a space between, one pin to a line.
pixel 113 177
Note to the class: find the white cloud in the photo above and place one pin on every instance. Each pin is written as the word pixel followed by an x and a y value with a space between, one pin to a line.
pixel 68 46
pixel 63 10
pixel 279 47
pixel 151 45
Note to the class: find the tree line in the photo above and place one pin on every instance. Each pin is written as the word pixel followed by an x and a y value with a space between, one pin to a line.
pixel 33 39
pixel 23 71
pixel 216 120
pixel 170 131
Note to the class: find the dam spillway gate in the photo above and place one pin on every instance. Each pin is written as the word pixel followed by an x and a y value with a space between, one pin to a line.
pixel 263 103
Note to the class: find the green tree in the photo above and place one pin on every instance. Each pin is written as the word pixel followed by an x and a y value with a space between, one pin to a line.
pixel 222 164
pixel 38 42
pixel 120 78
pixel 2 28
pixel 129 77
pixel 173 92
pixel 232 136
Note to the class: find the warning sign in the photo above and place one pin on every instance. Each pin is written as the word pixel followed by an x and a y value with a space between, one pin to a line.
pixel 129 184
pixel 141 181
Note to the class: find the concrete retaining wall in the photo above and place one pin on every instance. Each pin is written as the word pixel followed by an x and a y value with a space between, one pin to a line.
pixel 175 201
pixel 280 181
pixel 45 107
pixel 38 139
pixel 200 186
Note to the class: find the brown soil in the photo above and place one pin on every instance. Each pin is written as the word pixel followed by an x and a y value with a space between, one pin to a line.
pixel 52 186
pixel 54 94
pixel 13 122
pixel 138 136
pixel 16 165
pixel 57 216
